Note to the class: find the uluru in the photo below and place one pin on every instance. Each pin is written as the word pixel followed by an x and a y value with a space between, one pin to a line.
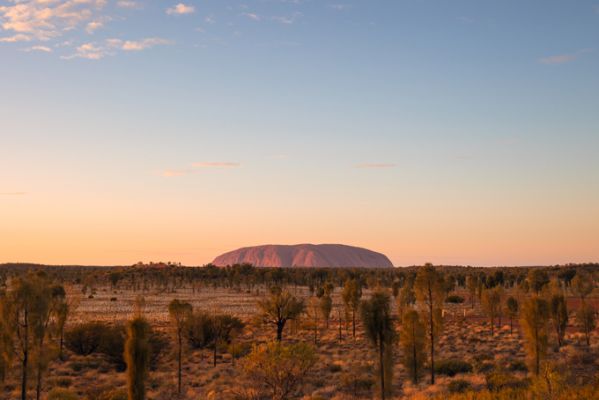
pixel 305 255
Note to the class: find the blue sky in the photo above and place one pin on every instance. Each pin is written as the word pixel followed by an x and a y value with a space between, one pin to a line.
pixel 452 132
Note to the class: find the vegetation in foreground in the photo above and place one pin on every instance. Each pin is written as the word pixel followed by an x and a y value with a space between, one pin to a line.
pixel 164 332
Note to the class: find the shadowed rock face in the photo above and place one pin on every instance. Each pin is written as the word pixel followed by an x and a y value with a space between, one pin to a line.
pixel 305 255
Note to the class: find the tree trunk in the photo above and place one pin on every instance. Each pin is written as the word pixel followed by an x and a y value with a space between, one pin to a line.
pixel 60 351
pixel 179 362
pixel 353 318
pixel 382 368
pixel 280 326
pixel 25 362
pixel 214 353
pixel 432 336
pixel 537 361
pixel 38 386
pixel 414 362
pixel 340 337
pixel 557 331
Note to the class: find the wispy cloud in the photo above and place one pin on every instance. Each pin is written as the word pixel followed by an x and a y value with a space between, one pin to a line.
pixel 170 173
pixel 44 49
pixel 13 193
pixel 131 5
pixel 215 164
pixel 19 37
pixel 287 20
pixel 48 19
pixel 198 167
pixel 138 45
pixel 93 26
pixel 376 165
pixel 340 6
pixel 97 51
pixel 252 16
pixel 89 51
pixel 564 58
pixel 180 9
pixel 558 59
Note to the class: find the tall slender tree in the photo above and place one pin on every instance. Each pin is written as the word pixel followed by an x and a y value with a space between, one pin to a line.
pixel 179 312
pixel 471 285
pixel 137 357
pixel 379 329
pixel 559 316
pixel 412 338
pixel 586 317
pixel 406 298
pixel 326 305
pixel 429 291
pixel 30 299
pixel 491 303
pixel 351 294
pixel 535 313
pixel 512 311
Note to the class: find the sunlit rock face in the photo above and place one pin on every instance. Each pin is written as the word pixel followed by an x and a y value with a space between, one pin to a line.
pixel 305 255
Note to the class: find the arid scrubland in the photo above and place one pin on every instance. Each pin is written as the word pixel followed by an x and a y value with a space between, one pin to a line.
pixel 169 332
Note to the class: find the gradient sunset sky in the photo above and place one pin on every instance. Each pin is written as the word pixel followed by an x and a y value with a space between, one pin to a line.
pixel 455 132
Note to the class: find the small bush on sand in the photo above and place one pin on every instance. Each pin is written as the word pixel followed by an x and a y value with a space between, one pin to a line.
pixel 459 386
pixel 452 367
pixel 84 339
pixel 279 370
pixel 62 394
pixel 499 380
pixel 455 299
pixel 518 365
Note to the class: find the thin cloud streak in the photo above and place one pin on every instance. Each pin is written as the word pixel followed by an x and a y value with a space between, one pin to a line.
pixel 376 165
pixel 198 167
pixel 218 164
pixel 13 193
pixel 558 59
pixel 564 58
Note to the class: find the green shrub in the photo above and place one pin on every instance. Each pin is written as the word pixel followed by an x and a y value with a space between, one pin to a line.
pixel 454 298
pixel 459 386
pixel 452 367
pixel 62 394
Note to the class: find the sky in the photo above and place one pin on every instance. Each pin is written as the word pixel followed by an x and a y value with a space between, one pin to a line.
pixel 451 132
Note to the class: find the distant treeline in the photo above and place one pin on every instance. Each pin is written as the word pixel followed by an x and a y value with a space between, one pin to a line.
pixel 171 276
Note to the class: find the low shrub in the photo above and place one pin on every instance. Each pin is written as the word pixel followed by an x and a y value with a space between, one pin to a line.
pixel 334 368
pixel 499 380
pixel 84 339
pixel 62 394
pixel 518 365
pixel 452 367
pixel 454 298
pixel 109 340
pixel 459 386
